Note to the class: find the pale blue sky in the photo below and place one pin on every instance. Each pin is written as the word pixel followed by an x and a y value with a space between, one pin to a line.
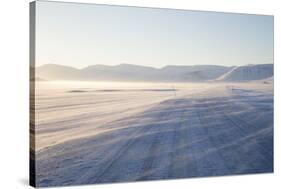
pixel 79 35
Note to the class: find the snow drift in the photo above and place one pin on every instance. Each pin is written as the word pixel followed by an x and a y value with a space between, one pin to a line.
pixel 248 73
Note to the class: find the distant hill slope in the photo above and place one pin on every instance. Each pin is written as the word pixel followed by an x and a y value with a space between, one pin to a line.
pixel 122 72
pixel 129 72
pixel 248 73
pixel 194 73
pixel 57 72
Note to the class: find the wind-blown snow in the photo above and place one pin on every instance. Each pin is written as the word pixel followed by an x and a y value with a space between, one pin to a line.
pixel 103 132
pixel 248 73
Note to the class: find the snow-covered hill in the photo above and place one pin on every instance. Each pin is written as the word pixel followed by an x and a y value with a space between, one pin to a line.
pixel 57 72
pixel 248 73
pixel 130 72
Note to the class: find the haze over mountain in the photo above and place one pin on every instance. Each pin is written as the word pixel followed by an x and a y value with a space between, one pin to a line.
pixel 57 72
pixel 248 73
pixel 170 73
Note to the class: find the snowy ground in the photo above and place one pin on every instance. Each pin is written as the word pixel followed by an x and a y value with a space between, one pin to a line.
pixel 103 132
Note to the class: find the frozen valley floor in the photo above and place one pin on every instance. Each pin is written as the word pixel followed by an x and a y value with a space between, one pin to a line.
pixel 223 130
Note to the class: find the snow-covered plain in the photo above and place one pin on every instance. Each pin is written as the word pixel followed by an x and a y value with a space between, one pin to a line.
pixel 90 132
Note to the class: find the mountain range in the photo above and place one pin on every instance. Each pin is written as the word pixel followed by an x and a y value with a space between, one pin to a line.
pixel 130 72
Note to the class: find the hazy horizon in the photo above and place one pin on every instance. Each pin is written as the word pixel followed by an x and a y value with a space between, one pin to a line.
pixel 80 68
pixel 79 35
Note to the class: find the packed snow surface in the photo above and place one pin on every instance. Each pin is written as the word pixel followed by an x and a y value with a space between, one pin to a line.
pixel 90 132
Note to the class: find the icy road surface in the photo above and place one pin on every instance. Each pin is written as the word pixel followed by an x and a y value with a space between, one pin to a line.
pixel 100 133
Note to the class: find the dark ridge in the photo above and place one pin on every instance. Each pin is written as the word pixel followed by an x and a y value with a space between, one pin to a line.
pixel 123 90
pixel 77 91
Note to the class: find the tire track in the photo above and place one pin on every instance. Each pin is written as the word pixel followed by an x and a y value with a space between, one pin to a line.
pixel 150 160
pixel 240 123
pixel 177 141
pixel 155 147
pixel 205 124
pixel 158 134
pixel 238 130
pixel 121 153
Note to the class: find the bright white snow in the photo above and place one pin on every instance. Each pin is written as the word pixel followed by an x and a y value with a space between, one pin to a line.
pixel 112 132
